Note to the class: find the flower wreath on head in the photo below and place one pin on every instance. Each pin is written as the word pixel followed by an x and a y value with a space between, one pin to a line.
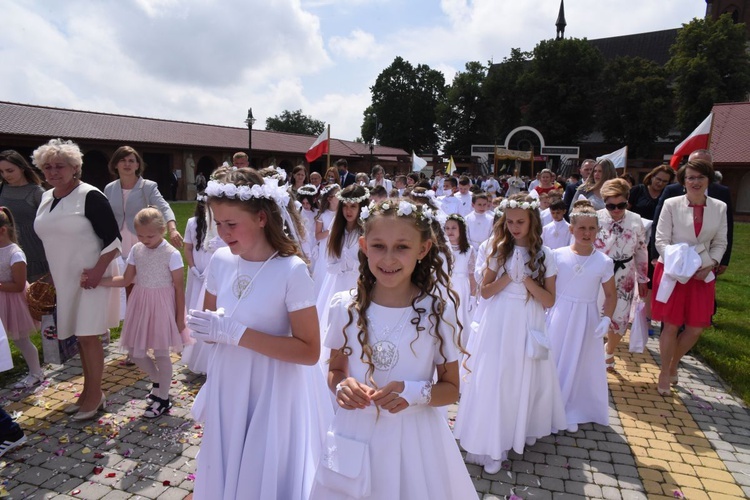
pixel 201 197
pixel 427 194
pixel 307 190
pixel 325 189
pixel 404 209
pixel 526 205
pixel 498 211
pixel 269 190
pixel 456 217
pixel 280 174
pixel 357 200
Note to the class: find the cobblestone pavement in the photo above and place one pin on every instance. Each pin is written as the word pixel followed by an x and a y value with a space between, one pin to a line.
pixel 693 444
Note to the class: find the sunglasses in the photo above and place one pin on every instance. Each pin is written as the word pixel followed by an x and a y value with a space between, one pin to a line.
pixel 619 206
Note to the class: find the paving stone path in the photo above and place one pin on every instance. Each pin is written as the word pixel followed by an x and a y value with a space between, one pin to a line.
pixel 693 444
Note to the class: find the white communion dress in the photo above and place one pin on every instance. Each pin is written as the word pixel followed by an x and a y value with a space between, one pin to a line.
pixel 571 323
pixel 413 454
pixel 507 398
pixel 265 419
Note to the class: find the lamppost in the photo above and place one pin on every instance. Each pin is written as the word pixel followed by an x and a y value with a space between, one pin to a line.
pixel 372 146
pixel 377 127
pixel 250 120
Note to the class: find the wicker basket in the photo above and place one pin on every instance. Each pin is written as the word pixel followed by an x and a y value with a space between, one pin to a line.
pixel 41 298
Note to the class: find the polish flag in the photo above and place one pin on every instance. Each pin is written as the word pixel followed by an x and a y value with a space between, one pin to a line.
pixel 318 148
pixel 698 139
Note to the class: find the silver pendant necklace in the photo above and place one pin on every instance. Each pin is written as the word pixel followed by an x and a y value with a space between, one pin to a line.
pixel 578 267
pixel 384 350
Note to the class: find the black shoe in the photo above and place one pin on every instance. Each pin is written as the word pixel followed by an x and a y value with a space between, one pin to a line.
pixel 11 442
pixel 158 407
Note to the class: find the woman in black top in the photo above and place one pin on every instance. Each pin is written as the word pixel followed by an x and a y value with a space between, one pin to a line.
pixel 644 197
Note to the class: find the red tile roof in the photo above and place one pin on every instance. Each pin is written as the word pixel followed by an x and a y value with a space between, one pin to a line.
pixel 26 119
pixel 730 133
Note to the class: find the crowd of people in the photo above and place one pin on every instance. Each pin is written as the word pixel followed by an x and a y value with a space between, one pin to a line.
pixel 336 314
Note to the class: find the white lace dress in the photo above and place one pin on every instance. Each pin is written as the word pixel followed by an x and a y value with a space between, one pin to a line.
pixel 508 398
pixel 320 266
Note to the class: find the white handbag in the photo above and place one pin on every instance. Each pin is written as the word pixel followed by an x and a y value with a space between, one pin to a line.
pixel 345 466
pixel 537 345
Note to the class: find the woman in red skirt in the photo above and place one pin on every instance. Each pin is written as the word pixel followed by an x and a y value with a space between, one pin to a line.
pixel 700 221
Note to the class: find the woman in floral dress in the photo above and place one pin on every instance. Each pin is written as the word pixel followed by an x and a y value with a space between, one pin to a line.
pixel 623 238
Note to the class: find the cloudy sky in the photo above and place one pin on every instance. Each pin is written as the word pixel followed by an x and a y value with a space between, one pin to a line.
pixel 209 60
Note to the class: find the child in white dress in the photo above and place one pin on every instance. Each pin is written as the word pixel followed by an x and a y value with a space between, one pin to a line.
pixel 196 255
pixel 307 196
pixel 574 323
pixel 511 395
pixel 329 203
pixel 394 362
pixel 155 313
pixel 342 252
pixel 14 311
pixel 462 275
pixel 265 411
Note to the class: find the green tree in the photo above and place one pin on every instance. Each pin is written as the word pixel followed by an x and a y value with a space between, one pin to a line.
pixel 295 122
pixel 709 64
pixel 559 86
pixel 462 115
pixel 503 96
pixel 635 103
pixel 404 100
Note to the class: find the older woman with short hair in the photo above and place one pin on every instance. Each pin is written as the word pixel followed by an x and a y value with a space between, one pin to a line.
pixel 79 232
pixel 21 192
pixel 701 222
pixel 623 238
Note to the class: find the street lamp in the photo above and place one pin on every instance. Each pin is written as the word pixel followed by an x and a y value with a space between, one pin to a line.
pixel 250 120
pixel 372 146
pixel 377 126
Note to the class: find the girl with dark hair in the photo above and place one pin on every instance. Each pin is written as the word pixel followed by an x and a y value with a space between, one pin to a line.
pixel 342 251
pixel 264 410
pixel 21 192
pixel 394 364
pixel 462 277
pixel 307 195
pixel 511 396
pixel 329 204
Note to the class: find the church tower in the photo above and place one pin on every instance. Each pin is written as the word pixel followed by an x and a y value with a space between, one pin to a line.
pixel 561 22
pixel 738 9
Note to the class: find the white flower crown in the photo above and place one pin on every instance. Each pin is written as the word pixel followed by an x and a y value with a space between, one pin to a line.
pixel 526 205
pixel 455 217
pixel 405 209
pixel 201 197
pixel 307 190
pixel 427 194
pixel 324 190
pixel 270 190
pixel 359 199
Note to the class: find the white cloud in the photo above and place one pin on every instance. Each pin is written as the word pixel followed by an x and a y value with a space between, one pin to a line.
pixel 358 45
pixel 209 61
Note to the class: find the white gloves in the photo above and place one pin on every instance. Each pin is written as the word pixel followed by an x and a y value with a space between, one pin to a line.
pixel 213 326
pixel 417 392
pixel 196 273
pixel 603 327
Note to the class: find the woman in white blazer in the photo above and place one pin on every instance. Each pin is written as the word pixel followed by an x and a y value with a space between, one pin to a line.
pixel 700 221
pixel 131 193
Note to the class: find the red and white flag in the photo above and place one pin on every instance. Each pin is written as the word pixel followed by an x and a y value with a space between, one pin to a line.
pixel 698 139
pixel 319 147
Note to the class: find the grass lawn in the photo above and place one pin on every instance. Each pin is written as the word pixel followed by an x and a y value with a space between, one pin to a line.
pixel 726 347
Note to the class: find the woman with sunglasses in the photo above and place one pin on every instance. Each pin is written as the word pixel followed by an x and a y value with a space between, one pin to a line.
pixel 623 238
pixel 701 222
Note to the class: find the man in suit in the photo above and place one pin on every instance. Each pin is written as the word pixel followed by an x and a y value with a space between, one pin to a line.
pixel 347 178
pixel 570 190
pixel 715 190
